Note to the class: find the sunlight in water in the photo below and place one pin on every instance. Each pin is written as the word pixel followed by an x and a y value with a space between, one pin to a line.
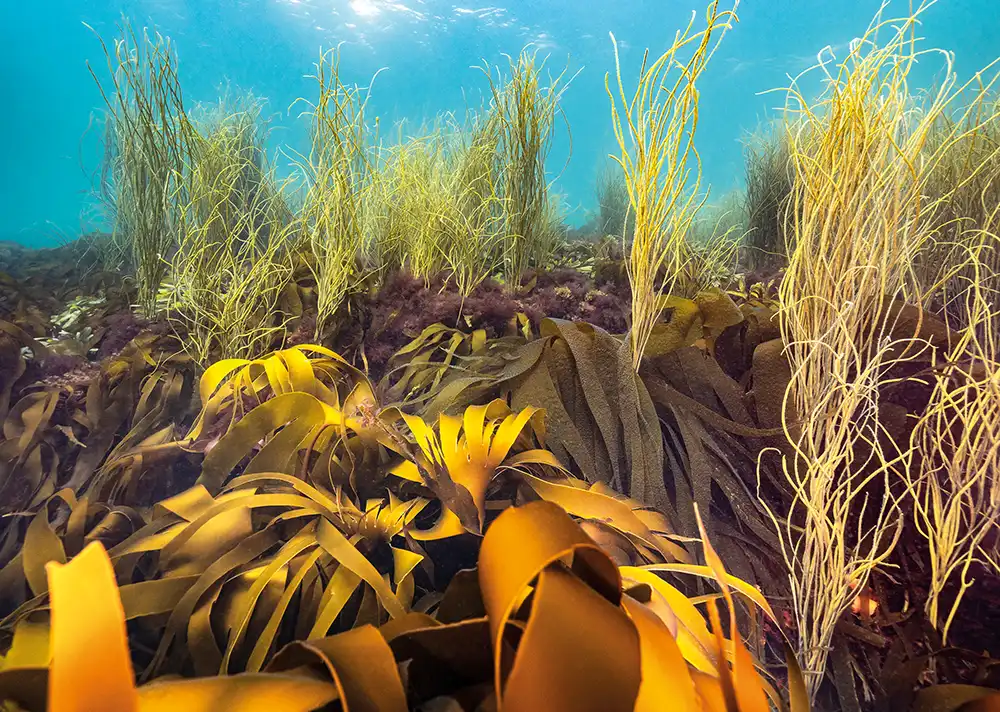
pixel 365 8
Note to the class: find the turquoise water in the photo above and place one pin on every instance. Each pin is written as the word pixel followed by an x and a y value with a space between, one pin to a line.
pixel 429 49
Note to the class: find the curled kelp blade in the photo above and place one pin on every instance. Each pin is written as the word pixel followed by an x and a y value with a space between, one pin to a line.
pixel 627 658
pixel 536 673
pixel 646 530
pixel 359 662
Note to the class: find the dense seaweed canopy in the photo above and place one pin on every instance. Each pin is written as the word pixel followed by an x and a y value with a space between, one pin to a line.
pixel 385 436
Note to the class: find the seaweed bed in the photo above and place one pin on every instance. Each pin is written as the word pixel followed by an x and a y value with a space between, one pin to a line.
pixel 389 436
pixel 108 418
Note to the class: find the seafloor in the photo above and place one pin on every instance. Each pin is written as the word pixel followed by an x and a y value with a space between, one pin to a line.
pixel 100 405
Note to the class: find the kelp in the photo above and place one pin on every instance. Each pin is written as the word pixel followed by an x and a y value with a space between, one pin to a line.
pixel 155 397
pixel 410 368
pixel 325 503
pixel 263 545
pixel 550 622
pixel 27 459
pixel 315 417
pixel 230 388
pixel 416 379
pixel 679 432
pixel 282 556
pixel 63 442
pixel 460 460
pixel 736 345
pixel 343 442
pixel 13 341
pixel 132 397
pixel 712 447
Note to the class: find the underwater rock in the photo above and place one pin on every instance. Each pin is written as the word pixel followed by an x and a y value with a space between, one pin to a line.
pixel 10 254
pixel 66 370
pixel 120 328
pixel 405 306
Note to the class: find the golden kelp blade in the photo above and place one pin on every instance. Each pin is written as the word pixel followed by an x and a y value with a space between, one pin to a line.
pixel 249 692
pixel 597 502
pixel 91 668
pixel 567 638
pixel 360 664
pixel 555 666
pixel 462 458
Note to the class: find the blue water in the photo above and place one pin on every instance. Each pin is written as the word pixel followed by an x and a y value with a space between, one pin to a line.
pixel 429 49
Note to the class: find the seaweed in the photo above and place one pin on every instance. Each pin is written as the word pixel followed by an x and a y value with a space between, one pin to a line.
pixel 409 443
pixel 306 541
pixel 465 660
